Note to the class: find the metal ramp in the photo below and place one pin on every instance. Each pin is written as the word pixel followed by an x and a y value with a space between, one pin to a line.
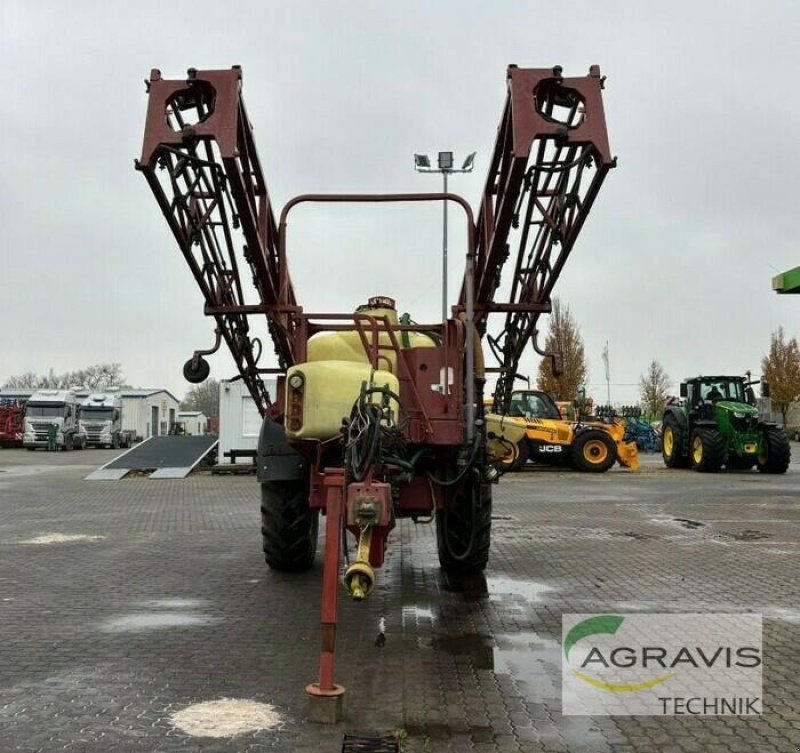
pixel 167 457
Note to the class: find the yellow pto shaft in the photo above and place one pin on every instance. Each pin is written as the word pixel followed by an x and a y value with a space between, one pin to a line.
pixel 360 578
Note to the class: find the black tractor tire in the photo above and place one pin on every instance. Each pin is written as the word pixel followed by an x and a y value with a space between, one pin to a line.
pixel 289 526
pixel 517 460
pixel 594 451
pixel 778 452
pixel 707 450
pixel 740 462
pixel 673 452
pixel 463 534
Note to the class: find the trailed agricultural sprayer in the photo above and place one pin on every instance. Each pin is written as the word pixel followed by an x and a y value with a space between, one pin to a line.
pixel 374 419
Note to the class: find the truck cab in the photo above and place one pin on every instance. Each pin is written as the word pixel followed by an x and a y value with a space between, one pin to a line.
pixel 101 421
pixel 53 410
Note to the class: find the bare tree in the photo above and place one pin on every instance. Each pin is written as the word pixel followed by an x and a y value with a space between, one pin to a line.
pixel 565 338
pixel 203 397
pixel 781 369
pixel 27 381
pixel 654 388
pixel 98 377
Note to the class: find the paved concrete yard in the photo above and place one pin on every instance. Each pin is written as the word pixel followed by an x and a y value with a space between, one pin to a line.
pixel 165 602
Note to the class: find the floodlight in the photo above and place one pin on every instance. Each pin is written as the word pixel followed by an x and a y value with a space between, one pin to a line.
pixel 445 160
pixel 422 161
pixel 468 162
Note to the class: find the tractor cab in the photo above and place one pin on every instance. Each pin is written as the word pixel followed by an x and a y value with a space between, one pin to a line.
pixel 711 389
pixel 704 394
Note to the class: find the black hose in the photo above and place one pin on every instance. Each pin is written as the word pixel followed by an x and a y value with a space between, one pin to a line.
pixel 467 467
pixel 471 543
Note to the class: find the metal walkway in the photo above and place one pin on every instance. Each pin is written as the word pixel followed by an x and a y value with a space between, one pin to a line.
pixel 167 457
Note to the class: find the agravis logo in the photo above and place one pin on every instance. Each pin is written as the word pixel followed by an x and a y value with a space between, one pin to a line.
pixel 606 624
pixel 662 664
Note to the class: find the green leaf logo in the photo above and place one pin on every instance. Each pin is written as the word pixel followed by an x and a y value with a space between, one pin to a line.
pixel 604 623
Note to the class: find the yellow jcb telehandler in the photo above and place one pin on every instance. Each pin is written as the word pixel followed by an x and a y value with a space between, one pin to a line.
pixel 534 430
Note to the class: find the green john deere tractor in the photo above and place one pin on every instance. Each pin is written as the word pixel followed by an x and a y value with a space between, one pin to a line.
pixel 718 424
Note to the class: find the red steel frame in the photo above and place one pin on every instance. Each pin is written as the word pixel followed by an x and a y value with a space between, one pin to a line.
pixel 548 164
pixel 549 161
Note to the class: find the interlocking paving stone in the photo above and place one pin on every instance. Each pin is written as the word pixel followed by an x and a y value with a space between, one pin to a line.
pixel 102 640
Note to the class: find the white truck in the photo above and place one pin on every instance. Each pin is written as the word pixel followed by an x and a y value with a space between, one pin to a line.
pixel 53 414
pixel 101 421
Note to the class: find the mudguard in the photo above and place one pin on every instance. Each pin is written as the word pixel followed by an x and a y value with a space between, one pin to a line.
pixel 277 460
pixel 679 414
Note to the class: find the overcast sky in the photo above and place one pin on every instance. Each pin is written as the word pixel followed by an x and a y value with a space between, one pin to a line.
pixel 674 263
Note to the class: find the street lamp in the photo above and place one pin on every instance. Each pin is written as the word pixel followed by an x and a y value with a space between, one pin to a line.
pixel 422 164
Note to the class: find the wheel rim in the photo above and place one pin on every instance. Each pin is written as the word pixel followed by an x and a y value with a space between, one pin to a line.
pixel 511 457
pixel 668 441
pixel 763 456
pixel 697 450
pixel 595 451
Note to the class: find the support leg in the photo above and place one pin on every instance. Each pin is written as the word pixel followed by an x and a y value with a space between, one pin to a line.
pixel 325 696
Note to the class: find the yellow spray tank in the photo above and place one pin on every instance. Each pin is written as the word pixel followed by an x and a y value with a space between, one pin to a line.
pixel 320 394
pixel 348 346
pixel 322 391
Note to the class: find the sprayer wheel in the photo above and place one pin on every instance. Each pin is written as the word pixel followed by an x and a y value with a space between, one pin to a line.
pixel 454 528
pixel 288 525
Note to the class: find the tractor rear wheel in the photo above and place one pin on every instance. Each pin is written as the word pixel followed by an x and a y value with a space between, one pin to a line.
pixel 463 532
pixel 707 450
pixel 594 451
pixel 288 525
pixel 672 444
pixel 776 453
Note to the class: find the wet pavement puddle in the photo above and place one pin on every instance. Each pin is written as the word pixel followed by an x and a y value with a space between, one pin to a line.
pixel 160 614
pixel 61 538
pixel 532 661
pixel 525 657
pixel 529 590
pixel 139 621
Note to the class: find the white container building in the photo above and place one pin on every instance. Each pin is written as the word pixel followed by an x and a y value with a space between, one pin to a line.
pixel 194 422
pixel 239 419
pixel 149 413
